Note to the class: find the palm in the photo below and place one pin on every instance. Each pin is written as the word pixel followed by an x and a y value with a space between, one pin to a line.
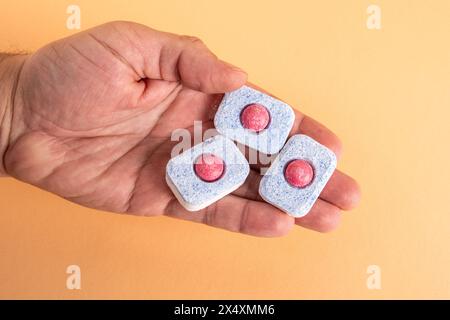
pixel 118 135
pixel 97 131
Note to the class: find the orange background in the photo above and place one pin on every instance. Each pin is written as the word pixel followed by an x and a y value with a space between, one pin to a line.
pixel 385 92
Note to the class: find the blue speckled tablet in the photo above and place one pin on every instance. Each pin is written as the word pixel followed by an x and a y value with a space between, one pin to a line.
pixel 270 140
pixel 293 200
pixel 194 193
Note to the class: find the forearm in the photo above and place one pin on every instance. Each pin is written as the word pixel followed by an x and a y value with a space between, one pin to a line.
pixel 10 66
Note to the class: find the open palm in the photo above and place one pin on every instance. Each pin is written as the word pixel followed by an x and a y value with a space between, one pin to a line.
pixel 93 117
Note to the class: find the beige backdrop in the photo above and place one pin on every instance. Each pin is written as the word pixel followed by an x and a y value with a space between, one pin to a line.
pixel 385 92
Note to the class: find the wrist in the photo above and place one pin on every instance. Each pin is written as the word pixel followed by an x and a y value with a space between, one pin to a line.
pixel 10 68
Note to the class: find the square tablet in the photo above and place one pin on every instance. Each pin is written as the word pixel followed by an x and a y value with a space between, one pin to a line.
pixel 206 173
pixel 298 175
pixel 255 119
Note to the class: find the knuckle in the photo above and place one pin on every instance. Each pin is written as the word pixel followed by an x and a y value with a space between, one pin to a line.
pixel 329 222
pixel 192 40
pixel 352 196
pixel 337 145
pixel 282 226
pixel 118 24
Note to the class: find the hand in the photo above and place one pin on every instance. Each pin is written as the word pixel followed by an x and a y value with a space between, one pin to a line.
pixel 92 120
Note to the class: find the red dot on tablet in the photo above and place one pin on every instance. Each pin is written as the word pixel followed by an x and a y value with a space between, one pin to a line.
pixel 255 117
pixel 299 173
pixel 209 167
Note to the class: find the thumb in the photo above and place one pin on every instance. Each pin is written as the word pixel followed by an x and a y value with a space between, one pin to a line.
pixel 165 56
pixel 200 69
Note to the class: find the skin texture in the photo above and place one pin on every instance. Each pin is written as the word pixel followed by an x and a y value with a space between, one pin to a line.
pixel 92 117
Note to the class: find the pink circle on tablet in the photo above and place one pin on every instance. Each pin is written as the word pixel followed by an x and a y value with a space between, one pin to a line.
pixel 299 173
pixel 209 167
pixel 255 117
